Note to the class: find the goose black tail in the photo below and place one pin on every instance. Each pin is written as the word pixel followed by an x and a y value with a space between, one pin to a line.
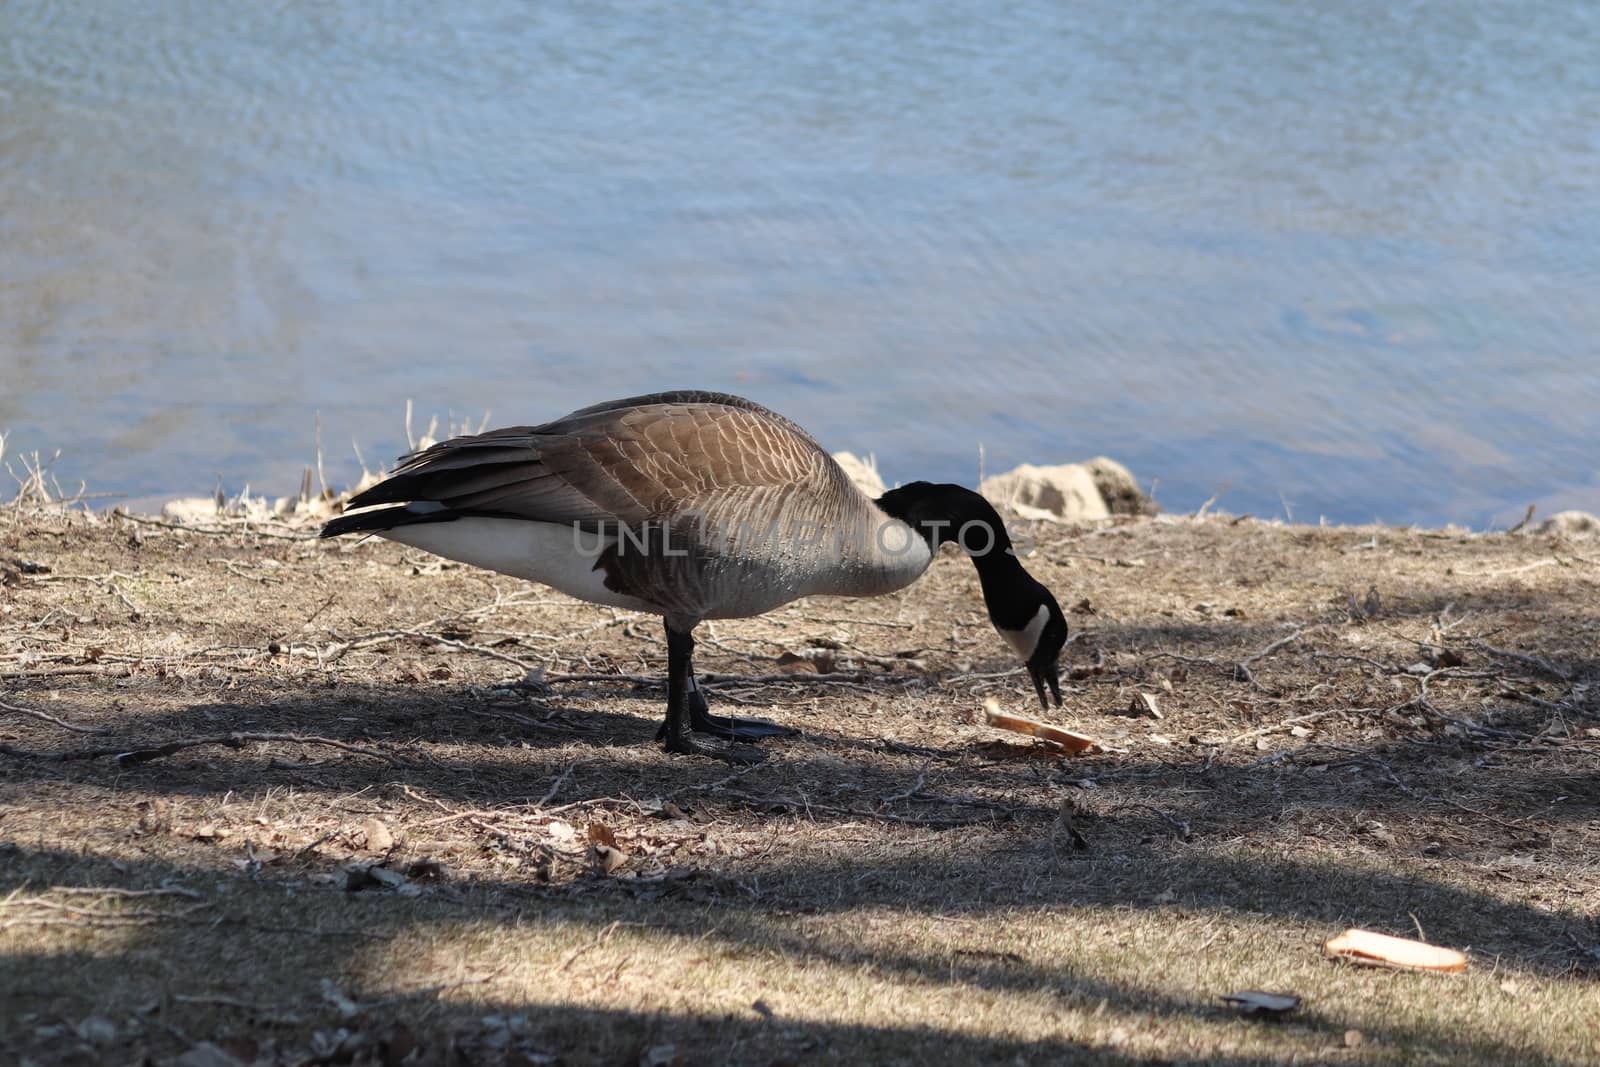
pixel 380 519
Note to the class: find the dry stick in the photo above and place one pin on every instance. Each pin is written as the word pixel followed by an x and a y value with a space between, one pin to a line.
pixel 1535 565
pixel 108 891
pixel 89 917
pixel 245 529
pixel 106 582
pixel 264 1014
pixel 235 740
pixel 47 717
pixel 429 991
pixel 1483 815
pixel 1541 665
pixel 555 787
pixel 922 776
pixel 1297 720
pixel 809 806
pixel 591 945
pixel 1279 643
pixel 888 623
pixel 798 678
pixel 384 636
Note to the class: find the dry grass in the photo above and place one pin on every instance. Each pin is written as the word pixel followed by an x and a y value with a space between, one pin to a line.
pixel 1373 727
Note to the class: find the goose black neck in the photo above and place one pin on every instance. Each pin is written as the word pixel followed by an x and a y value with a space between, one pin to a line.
pixel 944 513
pixel 952 513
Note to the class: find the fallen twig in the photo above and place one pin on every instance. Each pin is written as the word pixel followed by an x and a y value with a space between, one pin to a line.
pixel 246 526
pixel 125 756
pixel 1541 665
pixel 45 716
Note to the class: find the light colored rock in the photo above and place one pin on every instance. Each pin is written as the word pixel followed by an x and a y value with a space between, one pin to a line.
pixel 864 472
pixel 1119 488
pixel 208 1054
pixel 1578 525
pixel 191 509
pixel 1065 492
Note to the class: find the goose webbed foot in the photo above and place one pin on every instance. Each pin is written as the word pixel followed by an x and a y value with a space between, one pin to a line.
pixel 701 721
pixel 741 755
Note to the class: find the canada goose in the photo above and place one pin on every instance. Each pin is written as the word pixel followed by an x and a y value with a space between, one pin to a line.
pixel 695 505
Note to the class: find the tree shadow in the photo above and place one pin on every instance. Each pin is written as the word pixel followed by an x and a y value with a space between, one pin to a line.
pixel 167 992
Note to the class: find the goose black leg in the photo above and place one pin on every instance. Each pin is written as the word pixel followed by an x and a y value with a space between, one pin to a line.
pixel 675 731
pixel 701 720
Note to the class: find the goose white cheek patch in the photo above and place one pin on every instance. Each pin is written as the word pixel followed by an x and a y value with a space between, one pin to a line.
pixel 1026 639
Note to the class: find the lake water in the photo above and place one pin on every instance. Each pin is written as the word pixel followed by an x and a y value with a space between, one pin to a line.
pixel 1336 259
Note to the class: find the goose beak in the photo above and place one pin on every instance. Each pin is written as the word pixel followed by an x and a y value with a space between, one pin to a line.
pixel 1042 673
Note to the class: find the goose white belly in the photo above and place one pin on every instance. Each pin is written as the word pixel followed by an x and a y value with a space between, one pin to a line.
pixel 552 554
pixel 739 584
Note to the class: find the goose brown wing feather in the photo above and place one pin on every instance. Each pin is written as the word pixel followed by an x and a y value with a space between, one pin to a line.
pixel 653 458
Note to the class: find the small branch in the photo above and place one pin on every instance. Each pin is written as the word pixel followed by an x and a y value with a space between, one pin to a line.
pixel 1535 565
pixel 590 945
pixel 97 891
pixel 246 528
pixel 266 1015
pixel 922 777
pixel 1274 646
pixel 555 786
pixel 44 716
pixel 1541 665
pixel 126 756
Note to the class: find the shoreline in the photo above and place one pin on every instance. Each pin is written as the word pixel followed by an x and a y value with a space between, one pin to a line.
pixel 375 775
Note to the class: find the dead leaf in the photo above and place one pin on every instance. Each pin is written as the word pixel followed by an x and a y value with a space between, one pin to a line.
pixel 210 832
pixel 359 876
pixel 600 833
pixel 377 835
pixel 1144 704
pixel 1253 1002
pixel 1065 827
pixel 97 1030
pixel 661 1056
pixel 396 1045
pixel 341 1003
pixel 604 858
pixel 789 663
pixel 208 1054
pixel 427 869
pixel 411 672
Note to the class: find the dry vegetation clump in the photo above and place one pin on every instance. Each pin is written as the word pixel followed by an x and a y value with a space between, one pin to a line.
pixel 272 800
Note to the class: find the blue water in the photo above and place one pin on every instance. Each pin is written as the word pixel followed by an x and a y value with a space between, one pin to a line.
pixel 1335 260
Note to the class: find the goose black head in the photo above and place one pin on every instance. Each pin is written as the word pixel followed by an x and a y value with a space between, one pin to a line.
pixel 1021 609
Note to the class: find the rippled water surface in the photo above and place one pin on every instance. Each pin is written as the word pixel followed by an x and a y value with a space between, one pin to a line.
pixel 1341 259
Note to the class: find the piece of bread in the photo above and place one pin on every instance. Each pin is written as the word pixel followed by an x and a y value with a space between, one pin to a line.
pixel 1042 730
pixel 1364 946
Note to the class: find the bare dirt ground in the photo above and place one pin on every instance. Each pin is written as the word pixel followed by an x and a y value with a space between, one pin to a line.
pixel 274 800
